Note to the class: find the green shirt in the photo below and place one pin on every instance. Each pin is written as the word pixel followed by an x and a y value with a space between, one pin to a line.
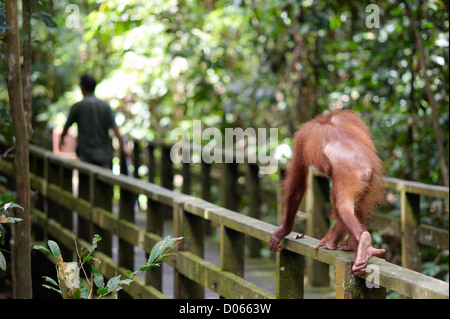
pixel 94 118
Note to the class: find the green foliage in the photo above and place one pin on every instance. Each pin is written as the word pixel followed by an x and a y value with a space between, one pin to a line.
pixel 45 17
pixel 247 64
pixel 252 64
pixel 71 286
pixel 6 202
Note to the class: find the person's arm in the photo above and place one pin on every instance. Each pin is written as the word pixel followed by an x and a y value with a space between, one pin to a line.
pixel 123 147
pixel 70 120
pixel 63 135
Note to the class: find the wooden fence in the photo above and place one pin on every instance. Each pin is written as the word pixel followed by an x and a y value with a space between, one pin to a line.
pixel 243 180
pixel 51 177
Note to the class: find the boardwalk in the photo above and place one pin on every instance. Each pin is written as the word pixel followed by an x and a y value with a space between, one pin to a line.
pixel 260 271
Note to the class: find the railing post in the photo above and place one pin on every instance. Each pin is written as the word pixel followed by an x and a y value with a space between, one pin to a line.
pixel 254 200
pixel 136 158
pixel 290 275
pixel 66 217
pixel 206 181
pixel 84 192
pixel 410 223
pixel 151 163
pixel 317 195
pixel 186 188
pixel 53 178
pixel 280 204
pixel 102 194
pixel 232 244
pixel 37 167
pixel 126 212
pixel 154 224
pixel 166 168
pixel 349 286
pixel 229 178
pixel 190 227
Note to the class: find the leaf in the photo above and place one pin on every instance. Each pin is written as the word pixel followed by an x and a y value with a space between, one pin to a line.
pixel 98 278
pixel 9 220
pixel 126 281
pixel 2 262
pixel 12 205
pixel 147 267
pixel 95 241
pixel 54 248
pixel 4 198
pixel 84 290
pixel 132 273
pixel 159 251
pixel 2 234
pixel 42 248
pixel 113 283
pixel 50 280
pixel 46 18
pixel 102 291
pixel 85 259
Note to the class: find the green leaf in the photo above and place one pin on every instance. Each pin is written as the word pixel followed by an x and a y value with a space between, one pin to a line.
pixel 13 220
pixel 46 18
pixel 42 248
pixel 113 283
pixel 54 248
pixel 50 280
pixel 2 262
pixel 98 278
pixel 4 198
pixel 102 291
pixel 147 267
pixel 84 290
pixel 126 281
pixel 132 273
pixel 95 241
pixel 85 259
pixel 159 251
pixel 2 234
pixel 11 205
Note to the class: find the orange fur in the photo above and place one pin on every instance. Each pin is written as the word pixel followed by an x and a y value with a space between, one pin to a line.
pixel 341 146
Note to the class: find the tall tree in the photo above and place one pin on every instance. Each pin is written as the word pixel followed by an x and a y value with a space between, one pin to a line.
pixel 27 61
pixel 430 95
pixel 22 246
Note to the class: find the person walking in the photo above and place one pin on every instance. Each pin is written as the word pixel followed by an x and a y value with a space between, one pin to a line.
pixel 94 118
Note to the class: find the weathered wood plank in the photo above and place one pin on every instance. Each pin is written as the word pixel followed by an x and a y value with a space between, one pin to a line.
pixel 408 282
pixel 224 283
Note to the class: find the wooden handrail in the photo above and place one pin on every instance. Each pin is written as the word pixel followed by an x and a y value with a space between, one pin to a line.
pixel 188 210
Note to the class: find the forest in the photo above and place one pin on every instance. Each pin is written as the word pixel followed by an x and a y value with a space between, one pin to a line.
pixel 238 64
pixel 248 64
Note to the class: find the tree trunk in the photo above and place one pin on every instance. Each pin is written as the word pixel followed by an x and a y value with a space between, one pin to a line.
pixel 431 100
pixel 27 62
pixel 21 247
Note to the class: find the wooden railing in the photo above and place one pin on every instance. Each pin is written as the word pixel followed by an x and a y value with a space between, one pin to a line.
pixel 243 180
pixel 51 177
